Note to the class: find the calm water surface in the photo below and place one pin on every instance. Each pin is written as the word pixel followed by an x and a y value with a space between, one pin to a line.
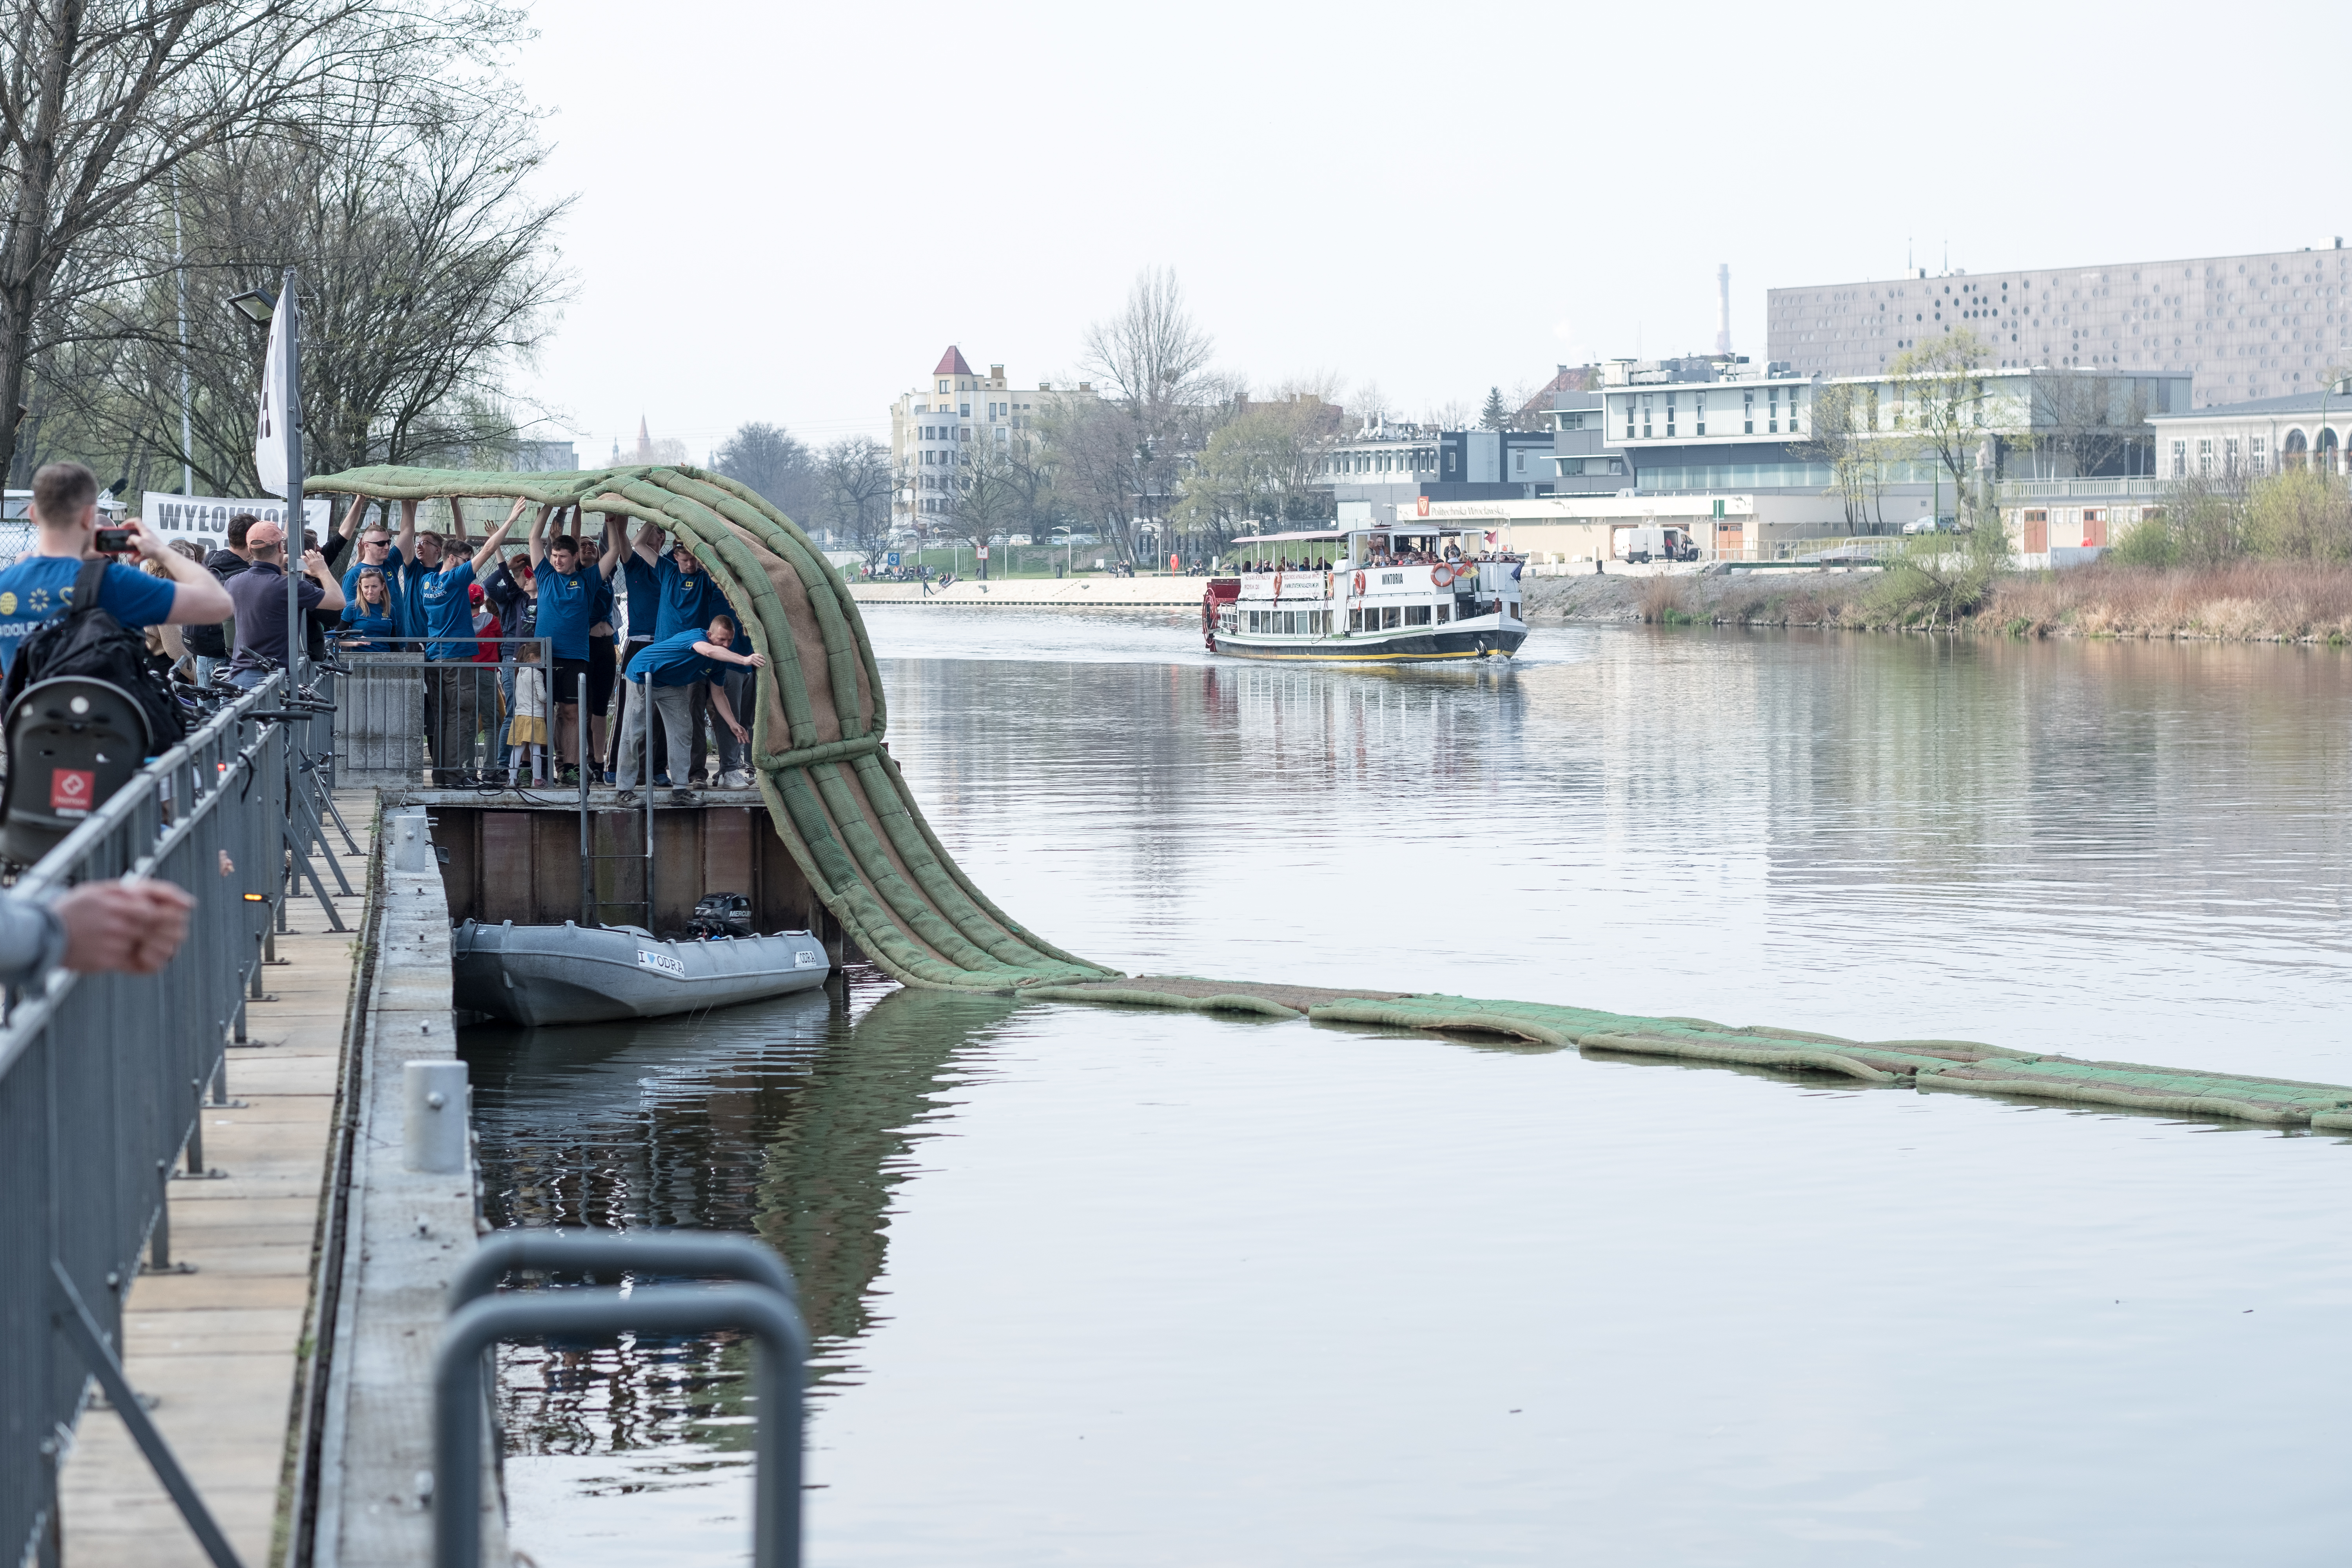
pixel 1096 1286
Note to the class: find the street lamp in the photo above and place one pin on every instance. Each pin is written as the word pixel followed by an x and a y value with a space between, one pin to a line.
pixel 256 305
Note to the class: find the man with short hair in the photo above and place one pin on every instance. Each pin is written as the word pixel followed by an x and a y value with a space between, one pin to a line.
pixel 566 596
pixel 41 585
pixel 446 620
pixel 259 594
pixel 661 675
pixel 640 598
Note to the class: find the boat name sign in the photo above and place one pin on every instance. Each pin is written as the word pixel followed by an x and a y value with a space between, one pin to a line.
pixel 661 963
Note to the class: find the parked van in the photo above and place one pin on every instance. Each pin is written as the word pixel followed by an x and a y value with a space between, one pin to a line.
pixel 1642 544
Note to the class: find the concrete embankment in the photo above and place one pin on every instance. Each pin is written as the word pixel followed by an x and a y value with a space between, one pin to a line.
pixel 1059 592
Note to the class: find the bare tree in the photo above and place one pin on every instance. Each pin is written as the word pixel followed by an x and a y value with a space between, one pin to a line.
pixel 1154 358
pixel 777 464
pixel 1940 403
pixel 1262 464
pixel 856 479
pixel 104 99
pixel 426 272
pixel 1842 437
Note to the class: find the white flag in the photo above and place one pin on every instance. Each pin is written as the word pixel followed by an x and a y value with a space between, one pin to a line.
pixel 270 427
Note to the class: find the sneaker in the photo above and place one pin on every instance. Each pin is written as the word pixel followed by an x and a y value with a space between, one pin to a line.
pixel 736 780
pixel 626 797
pixel 682 797
pixel 662 779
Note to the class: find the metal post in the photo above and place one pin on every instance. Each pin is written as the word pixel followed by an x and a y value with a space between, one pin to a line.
pixel 587 823
pixel 290 410
pixel 196 1131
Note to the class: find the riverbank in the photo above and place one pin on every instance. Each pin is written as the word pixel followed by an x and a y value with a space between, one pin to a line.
pixel 2244 602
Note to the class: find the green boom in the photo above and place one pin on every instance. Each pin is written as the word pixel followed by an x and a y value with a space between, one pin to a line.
pixel 837 800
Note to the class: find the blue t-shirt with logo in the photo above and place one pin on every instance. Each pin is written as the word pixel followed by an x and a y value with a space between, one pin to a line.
pixel 446 609
pixel 390 566
pixel 41 586
pixel 644 595
pixel 672 661
pixel 567 607
pixel 689 599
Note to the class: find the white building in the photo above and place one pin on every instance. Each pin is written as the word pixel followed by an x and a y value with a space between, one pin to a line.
pixel 2306 429
pixel 937 424
pixel 1580 530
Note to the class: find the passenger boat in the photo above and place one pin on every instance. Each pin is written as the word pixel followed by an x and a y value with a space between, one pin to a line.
pixel 1405 594
pixel 586 974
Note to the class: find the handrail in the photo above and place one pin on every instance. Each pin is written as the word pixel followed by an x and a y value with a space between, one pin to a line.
pixel 101 1079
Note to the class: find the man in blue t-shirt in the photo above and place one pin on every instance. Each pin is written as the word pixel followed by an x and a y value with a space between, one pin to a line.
pixel 442 612
pixel 661 677
pixel 640 599
pixel 40 585
pixel 567 594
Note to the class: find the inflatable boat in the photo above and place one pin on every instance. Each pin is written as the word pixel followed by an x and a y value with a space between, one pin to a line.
pixel 588 975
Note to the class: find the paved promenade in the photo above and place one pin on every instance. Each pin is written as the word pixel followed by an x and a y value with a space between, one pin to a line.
pixel 1063 592
pixel 218 1348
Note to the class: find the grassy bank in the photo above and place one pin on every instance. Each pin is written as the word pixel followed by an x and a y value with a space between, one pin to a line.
pixel 2246 601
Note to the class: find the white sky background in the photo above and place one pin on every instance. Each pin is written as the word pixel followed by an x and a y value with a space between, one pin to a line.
pixel 786 212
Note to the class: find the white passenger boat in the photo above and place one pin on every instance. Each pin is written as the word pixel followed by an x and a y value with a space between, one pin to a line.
pixel 1405 594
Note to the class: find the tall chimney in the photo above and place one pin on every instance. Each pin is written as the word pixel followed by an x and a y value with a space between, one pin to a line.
pixel 1723 330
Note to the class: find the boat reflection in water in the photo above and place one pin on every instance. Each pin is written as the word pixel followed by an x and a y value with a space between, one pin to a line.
pixel 794 1120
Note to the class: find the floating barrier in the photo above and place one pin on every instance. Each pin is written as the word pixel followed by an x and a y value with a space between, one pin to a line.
pixel 842 808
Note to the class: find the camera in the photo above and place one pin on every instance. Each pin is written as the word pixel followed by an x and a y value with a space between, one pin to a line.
pixel 113 540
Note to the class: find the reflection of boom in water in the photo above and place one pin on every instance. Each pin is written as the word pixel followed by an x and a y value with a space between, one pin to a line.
pixel 788 1118
pixel 847 1141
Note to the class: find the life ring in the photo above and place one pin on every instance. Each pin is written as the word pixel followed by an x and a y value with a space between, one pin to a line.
pixel 1442 574
pixel 1359 585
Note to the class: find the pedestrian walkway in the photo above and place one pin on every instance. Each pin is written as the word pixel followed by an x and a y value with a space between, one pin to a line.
pixel 218 1349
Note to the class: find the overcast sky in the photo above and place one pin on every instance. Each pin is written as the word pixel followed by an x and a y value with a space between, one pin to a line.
pixel 786 212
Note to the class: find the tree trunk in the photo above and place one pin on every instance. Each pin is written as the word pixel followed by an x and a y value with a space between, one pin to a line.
pixel 24 266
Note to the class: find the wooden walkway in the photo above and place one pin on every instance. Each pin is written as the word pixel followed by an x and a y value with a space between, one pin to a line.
pixel 217 1348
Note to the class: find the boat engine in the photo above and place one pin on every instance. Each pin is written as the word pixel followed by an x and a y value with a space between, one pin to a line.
pixel 721 915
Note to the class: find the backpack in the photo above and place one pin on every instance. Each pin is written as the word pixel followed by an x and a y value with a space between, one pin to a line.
pixel 86 641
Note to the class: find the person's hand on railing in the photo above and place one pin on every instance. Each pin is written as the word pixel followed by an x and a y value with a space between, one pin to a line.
pixel 132 925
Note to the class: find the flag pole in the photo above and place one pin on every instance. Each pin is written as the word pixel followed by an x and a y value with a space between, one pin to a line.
pixel 290 411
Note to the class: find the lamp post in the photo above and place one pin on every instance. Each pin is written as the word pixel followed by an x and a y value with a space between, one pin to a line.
pixel 259 307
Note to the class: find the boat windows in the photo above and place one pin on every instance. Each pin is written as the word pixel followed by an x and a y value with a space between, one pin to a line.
pixel 1416 614
pixel 1445 614
pixel 1392 617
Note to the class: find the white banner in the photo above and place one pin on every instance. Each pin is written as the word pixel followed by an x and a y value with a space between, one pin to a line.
pixel 269 429
pixel 205 519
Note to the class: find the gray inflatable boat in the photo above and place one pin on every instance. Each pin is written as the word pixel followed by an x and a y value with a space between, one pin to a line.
pixel 581 974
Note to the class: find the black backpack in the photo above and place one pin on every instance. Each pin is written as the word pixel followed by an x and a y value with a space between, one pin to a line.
pixel 85 640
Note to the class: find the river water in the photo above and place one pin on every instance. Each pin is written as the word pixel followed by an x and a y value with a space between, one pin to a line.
pixel 1098 1286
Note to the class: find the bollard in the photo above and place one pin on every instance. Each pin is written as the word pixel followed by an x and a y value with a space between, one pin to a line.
pixel 435 1120
pixel 412 841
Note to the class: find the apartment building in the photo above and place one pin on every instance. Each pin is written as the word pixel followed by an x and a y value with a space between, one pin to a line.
pixel 940 421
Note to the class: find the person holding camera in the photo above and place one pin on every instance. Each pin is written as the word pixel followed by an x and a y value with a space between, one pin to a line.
pixel 66 535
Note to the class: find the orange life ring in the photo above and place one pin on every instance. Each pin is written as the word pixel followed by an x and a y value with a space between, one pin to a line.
pixel 1360 584
pixel 1442 574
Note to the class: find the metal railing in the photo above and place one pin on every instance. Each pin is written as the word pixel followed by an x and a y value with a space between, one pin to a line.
pixel 763 1302
pixel 101 1082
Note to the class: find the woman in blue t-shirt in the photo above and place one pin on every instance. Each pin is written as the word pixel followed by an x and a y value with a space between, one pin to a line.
pixel 370 627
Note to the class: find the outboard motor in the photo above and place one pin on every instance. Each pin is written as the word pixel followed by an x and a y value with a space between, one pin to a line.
pixel 72 742
pixel 718 916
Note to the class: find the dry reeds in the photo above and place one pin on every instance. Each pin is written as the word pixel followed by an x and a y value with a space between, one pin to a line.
pixel 1667 601
pixel 2254 601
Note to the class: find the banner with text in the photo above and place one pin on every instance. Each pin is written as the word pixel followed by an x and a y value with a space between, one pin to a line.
pixel 205 519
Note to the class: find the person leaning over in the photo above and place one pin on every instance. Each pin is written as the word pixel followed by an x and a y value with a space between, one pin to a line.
pixel 260 595
pixel 661 676
pixel 64 517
